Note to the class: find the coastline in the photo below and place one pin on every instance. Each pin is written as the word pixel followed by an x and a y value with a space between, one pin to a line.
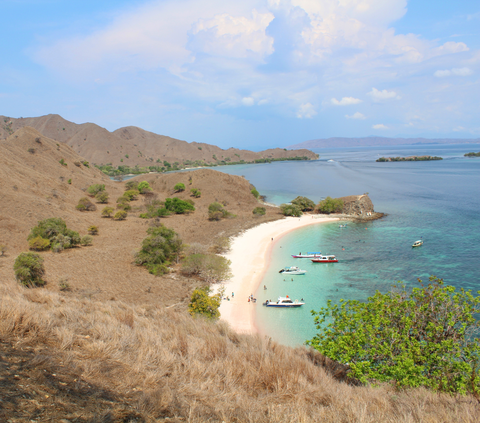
pixel 250 255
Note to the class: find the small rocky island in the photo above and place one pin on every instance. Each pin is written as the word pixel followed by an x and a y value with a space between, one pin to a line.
pixel 472 154
pixel 409 159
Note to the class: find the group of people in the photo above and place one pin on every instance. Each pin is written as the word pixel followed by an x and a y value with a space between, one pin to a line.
pixel 252 299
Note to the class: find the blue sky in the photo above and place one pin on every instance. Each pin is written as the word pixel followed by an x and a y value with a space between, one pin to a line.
pixel 251 74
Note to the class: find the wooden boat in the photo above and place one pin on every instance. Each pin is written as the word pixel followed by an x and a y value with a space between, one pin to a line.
pixel 325 259
pixel 417 243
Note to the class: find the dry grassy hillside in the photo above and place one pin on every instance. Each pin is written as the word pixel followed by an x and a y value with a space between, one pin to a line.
pixel 143 148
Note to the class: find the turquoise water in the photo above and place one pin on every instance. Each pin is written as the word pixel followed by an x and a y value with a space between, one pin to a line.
pixel 438 201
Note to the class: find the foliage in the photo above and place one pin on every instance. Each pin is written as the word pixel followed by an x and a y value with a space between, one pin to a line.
pixel 29 269
pixel 179 187
pixel 93 230
pixel 290 210
pixel 55 231
pixel 221 245
pixel 259 211
pixel 38 243
pixel 158 249
pixel 69 181
pixel 129 185
pixel 131 194
pixel 120 215
pixel 61 242
pixel 255 193
pixel 304 203
pixel 472 154
pixel 201 303
pixel 102 197
pixel 3 249
pixel 209 267
pixel 178 206
pixel 195 192
pixel 144 187
pixel 216 211
pixel 86 240
pixel 330 205
pixel 84 204
pixel 63 285
pixel 62 162
pixel 107 211
pixel 94 189
pixel 426 337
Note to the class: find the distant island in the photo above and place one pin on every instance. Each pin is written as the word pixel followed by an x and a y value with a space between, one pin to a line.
pixel 472 154
pixel 408 159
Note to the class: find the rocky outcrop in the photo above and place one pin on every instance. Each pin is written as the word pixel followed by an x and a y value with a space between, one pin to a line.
pixel 359 207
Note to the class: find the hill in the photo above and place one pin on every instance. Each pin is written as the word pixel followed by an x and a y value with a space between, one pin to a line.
pixel 134 146
pixel 338 142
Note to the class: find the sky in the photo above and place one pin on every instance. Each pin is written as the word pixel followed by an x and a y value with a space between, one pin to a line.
pixel 250 74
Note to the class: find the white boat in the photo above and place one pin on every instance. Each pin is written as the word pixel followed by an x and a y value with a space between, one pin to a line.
pixel 325 259
pixel 342 226
pixel 292 270
pixel 284 302
pixel 307 255
pixel 417 243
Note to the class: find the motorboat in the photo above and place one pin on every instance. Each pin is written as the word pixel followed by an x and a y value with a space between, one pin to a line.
pixel 284 302
pixel 307 255
pixel 342 226
pixel 417 243
pixel 292 270
pixel 325 259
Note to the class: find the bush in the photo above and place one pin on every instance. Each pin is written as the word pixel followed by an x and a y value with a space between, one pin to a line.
pixel 158 249
pixel 201 303
pixel 179 187
pixel 290 210
pixel 84 204
pixel 131 185
pixel 120 215
pixel 3 249
pixel 102 197
pixel 144 187
pixel 178 206
pixel 221 245
pixel 86 240
pixel 209 267
pixel 93 230
pixel 330 205
pixel 39 244
pixel 195 193
pixel 55 230
pixel 62 162
pixel 255 193
pixel 259 211
pixel 61 242
pixel 107 211
pixel 426 337
pixel 304 203
pixel 94 189
pixel 217 212
pixel 29 269
pixel 131 194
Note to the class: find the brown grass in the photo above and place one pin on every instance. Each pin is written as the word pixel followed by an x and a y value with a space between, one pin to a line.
pixel 167 364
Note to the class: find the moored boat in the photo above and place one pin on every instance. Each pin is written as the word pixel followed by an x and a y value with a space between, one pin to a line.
pixel 284 302
pixel 307 255
pixel 292 270
pixel 325 259
pixel 417 243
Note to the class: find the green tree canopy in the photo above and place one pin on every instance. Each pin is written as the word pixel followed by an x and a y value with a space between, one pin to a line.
pixel 51 229
pixel 178 206
pixel 144 187
pixel 94 189
pixel 304 203
pixel 179 187
pixel 209 267
pixel 29 269
pixel 426 337
pixel 129 185
pixel 202 303
pixel 330 205
pixel 102 197
pixel 291 210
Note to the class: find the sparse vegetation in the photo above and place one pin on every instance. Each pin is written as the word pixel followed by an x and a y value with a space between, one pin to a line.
pixel 330 205
pixel 204 304
pixel 120 215
pixel 64 285
pixel 31 150
pixel 29 269
pixel 94 189
pixel 3 250
pixel 259 211
pixel 304 203
pixel 86 240
pixel 62 162
pixel 93 230
pixel 217 212
pixel 221 245
pixel 84 204
pixel 208 267
pixel 123 203
pixel 291 210
pixel 69 182
pixel 179 187
pixel 102 197
pixel 131 185
pixel 85 163
pixel 255 193
pixel 107 211
pixel 195 192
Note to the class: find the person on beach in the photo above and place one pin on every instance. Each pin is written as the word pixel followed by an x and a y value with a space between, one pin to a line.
pixel 264 286
pixel 233 294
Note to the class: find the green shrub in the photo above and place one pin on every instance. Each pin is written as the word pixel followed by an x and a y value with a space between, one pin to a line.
pixel 39 244
pixel 178 206
pixel 201 303
pixel 102 197
pixel 304 203
pixel 290 210
pixel 69 181
pixel 55 230
pixel 209 267
pixel 94 189
pixel 124 205
pixel 217 212
pixel 29 269
pixel 107 211
pixel 195 193
pixel 62 162
pixel 158 249
pixel 131 194
pixel 330 205
pixel 120 215
pixel 129 185
pixel 255 193
pixel 179 187
pixel 144 187
pixel 259 211
pixel 424 337
pixel 84 204
pixel 85 163
pixel 93 230
pixel 86 240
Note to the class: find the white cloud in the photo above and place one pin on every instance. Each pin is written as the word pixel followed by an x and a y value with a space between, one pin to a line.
pixel 345 101
pixel 379 96
pixel 248 101
pixel 306 111
pixel 379 126
pixel 453 72
pixel 356 115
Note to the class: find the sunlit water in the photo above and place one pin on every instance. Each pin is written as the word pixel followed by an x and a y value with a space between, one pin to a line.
pixel 438 201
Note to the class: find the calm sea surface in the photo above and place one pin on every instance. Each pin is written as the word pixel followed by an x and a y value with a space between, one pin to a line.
pixel 438 201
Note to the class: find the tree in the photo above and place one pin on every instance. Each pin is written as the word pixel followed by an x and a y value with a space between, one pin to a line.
pixel 131 194
pixel 84 204
pixel 178 206
pixel 330 205
pixel 426 337
pixel 123 203
pixel 209 267
pixel 93 230
pixel 291 210
pixel 217 212
pixel 94 189
pixel 259 211
pixel 55 231
pixel 120 215
pixel 86 240
pixel 102 197
pixel 195 192
pixel 304 203
pixel 29 269
pixel 3 249
pixel 131 185
pixel 221 245
pixel 107 211
pixel 179 187
pixel 201 303
pixel 255 193
pixel 144 187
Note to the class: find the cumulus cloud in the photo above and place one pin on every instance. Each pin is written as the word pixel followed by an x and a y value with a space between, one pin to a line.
pixel 345 101
pixel 379 126
pixel 453 72
pixel 379 96
pixel 306 111
pixel 356 115
pixel 248 101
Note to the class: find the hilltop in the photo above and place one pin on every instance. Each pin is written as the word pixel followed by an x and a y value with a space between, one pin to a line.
pixel 132 146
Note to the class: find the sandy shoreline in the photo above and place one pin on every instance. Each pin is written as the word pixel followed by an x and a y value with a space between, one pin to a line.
pixel 250 255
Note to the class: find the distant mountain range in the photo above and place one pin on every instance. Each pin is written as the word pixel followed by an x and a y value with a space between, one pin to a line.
pixel 378 141
pixel 133 146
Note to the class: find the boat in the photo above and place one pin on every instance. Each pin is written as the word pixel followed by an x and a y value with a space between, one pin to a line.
pixel 284 302
pixel 307 255
pixel 292 270
pixel 342 226
pixel 417 243
pixel 330 160
pixel 325 259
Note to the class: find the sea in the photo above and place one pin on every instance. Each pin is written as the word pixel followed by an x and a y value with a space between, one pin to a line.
pixel 436 201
